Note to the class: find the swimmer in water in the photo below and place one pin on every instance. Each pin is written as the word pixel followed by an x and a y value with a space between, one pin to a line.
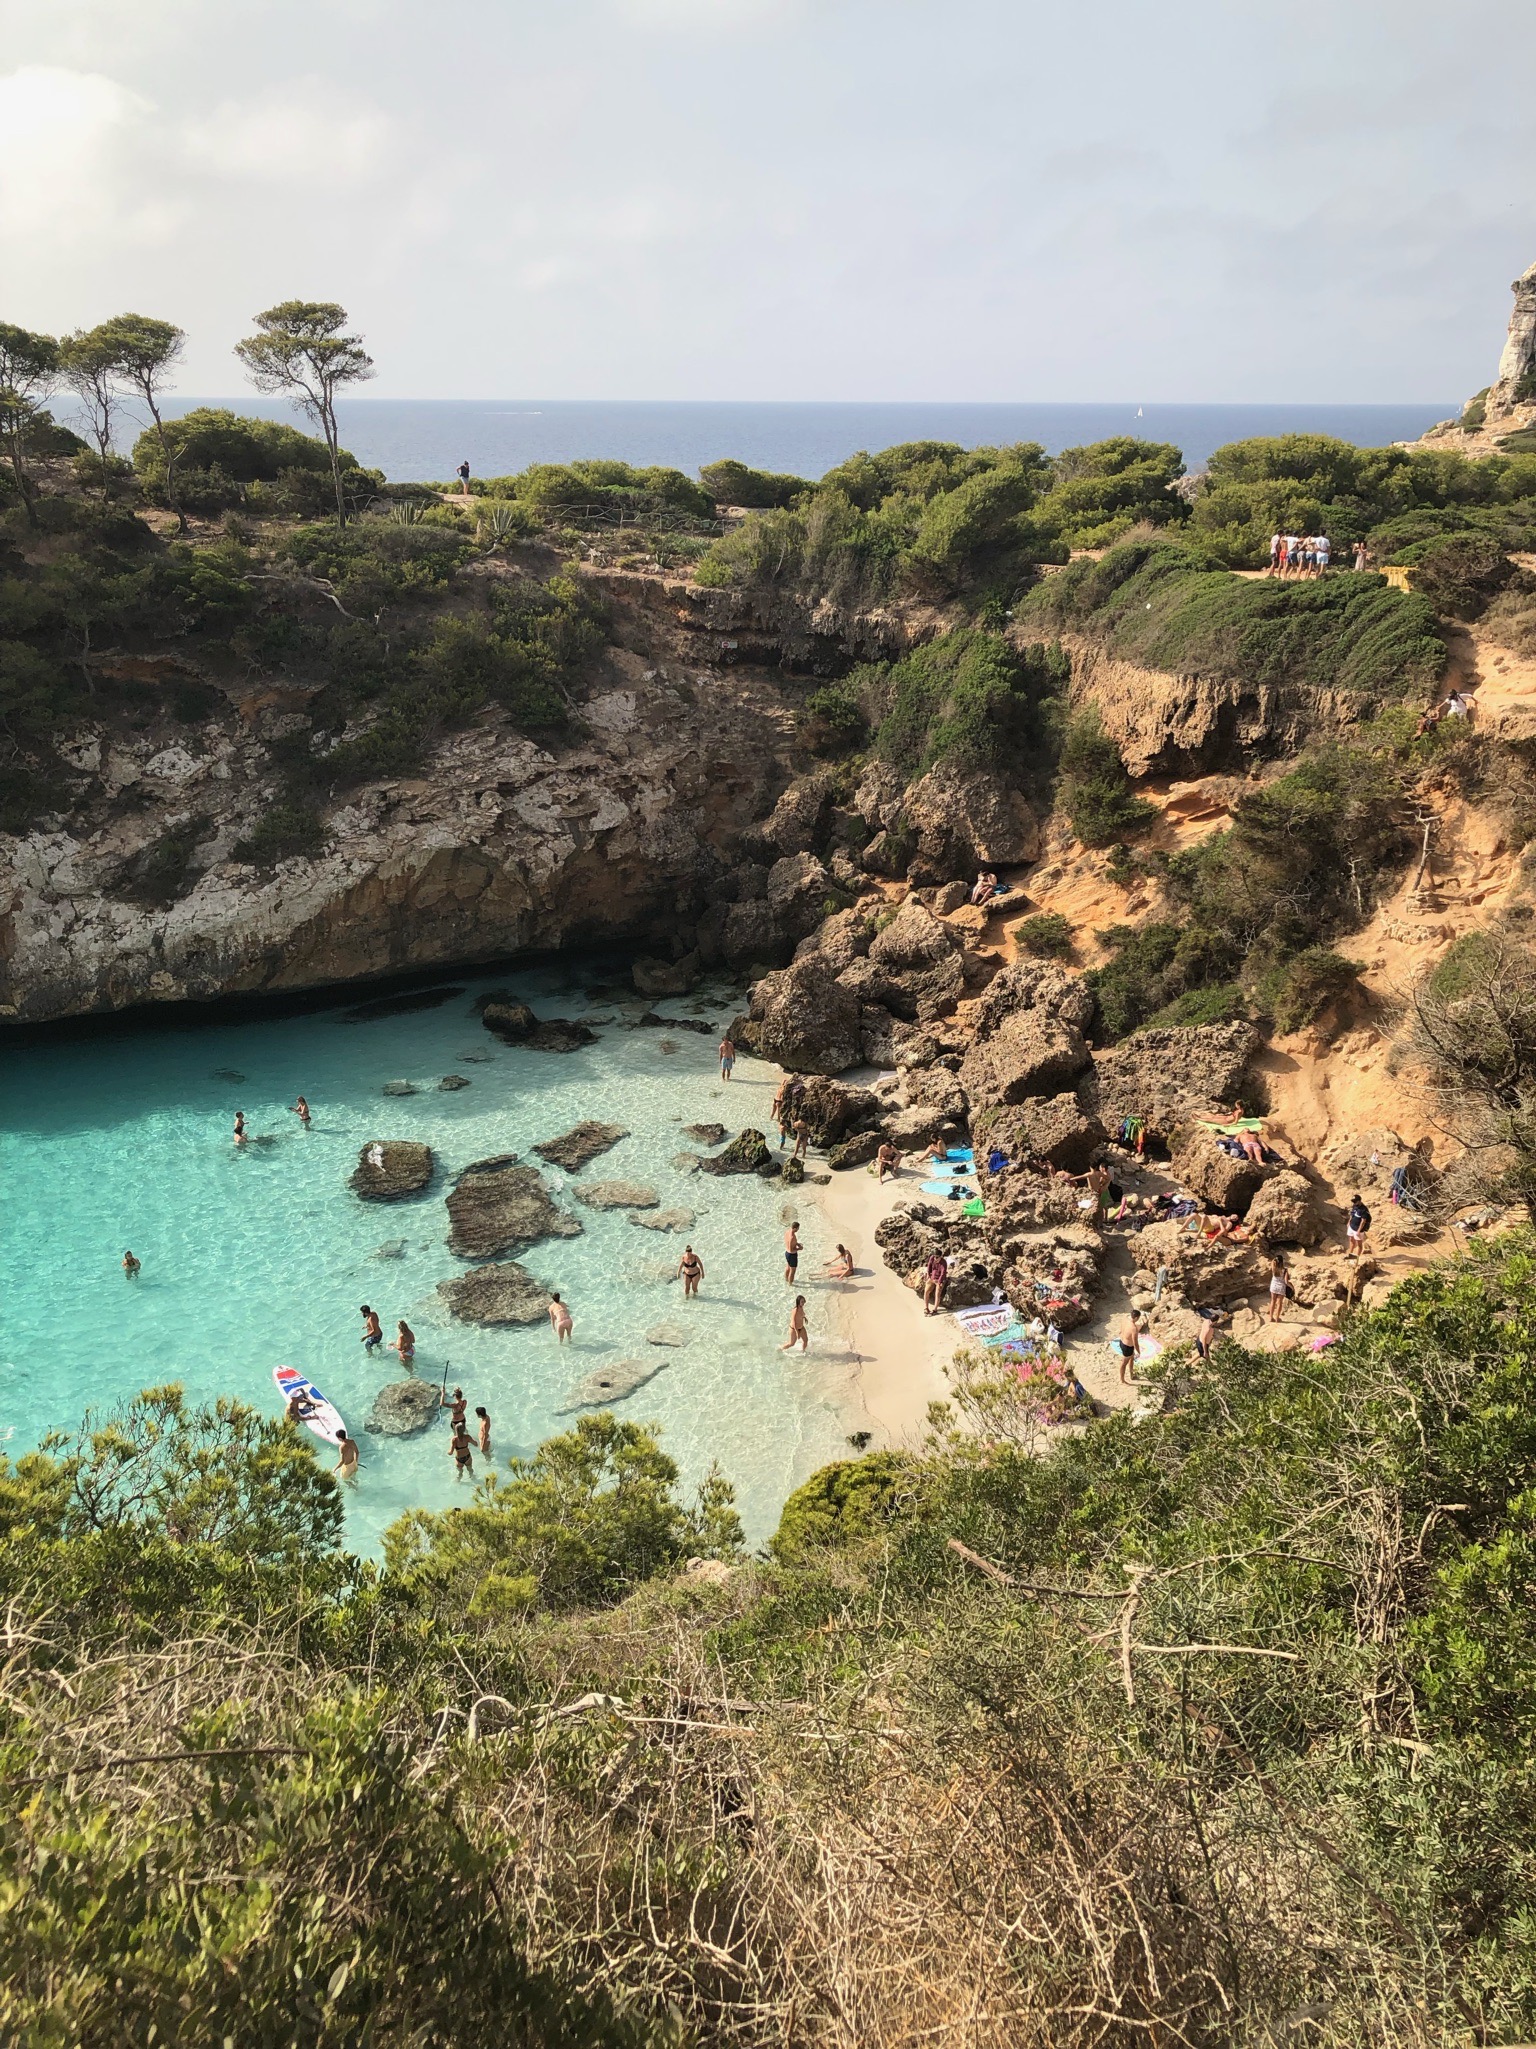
pixel 560 1320
pixel 130 1266
pixel 484 1416
pixel 463 1455
pixel 239 1127
pixel 373 1330
pixel 301 1111
pixel 404 1342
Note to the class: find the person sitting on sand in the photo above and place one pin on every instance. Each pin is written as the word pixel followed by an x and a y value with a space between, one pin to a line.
pixel 798 1334
pixel 840 1268
pixel 887 1160
pixel 560 1319
pixel 938 1152
pixel 347 1460
pixel 130 1266
pixel 691 1269
pixel 404 1342
pixel 463 1455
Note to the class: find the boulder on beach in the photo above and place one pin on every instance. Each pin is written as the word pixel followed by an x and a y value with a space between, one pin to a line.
pixel 500 1293
pixel 390 1169
pixel 857 1151
pixel 663 1219
pixel 582 1144
pixel 498 1206
pixel 802 1017
pixel 402 1408
pixel 516 1025
pixel 1056 1129
pixel 454 1081
pixel 617 1195
pixel 665 977
pixel 705 1134
pixel 610 1384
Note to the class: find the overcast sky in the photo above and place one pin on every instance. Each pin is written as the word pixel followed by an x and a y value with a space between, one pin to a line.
pixel 789 199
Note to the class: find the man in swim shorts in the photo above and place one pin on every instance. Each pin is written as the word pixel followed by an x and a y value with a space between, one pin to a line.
pixel 347 1460
pixel 373 1330
pixel 791 1252
pixel 727 1056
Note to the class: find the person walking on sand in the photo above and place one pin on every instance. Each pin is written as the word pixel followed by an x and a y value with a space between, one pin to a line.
pixel 560 1320
pixel 346 1462
pixel 1356 1227
pixel 792 1249
pixel 239 1127
pixel 935 1281
pixel 300 1110
pixel 463 1455
pixel 130 1267
pixel 484 1417
pixel 404 1342
pixel 373 1330
pixel 798 1334
pixel 1128 1346
pixel 727 1056
pixel 691 1268
pixel 1278 1285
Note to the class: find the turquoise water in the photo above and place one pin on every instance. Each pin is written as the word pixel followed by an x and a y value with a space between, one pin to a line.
pixel 260 1256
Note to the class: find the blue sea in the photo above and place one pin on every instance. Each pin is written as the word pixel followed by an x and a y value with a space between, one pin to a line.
pixel 260 1256
pixel 414 440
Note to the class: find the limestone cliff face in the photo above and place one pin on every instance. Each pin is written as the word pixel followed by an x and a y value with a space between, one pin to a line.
pixel 501 846
pixel 1517 365
pixel 1166 725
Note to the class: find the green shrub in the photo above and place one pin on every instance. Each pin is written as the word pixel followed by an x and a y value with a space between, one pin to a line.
pixel 844 1503
pixel 1459 574
pixel 284 832
pixel 1297 991
pixel 833 717
pixel 733 483
pixel 1095 790
pixel 970 698
pixel 1047 935
pixel 1220 1003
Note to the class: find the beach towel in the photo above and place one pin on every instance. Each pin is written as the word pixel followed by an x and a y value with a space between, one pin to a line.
pixel 953 1191
pixel 1233 1124
pixel 986 1320
pixel 962 1152
pixel 974 1208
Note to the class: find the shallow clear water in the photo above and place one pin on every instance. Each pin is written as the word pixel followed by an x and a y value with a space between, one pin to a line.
pixel 260 1256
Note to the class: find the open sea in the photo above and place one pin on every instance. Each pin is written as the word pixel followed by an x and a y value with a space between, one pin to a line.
pixel 417 440
pixel 119 1136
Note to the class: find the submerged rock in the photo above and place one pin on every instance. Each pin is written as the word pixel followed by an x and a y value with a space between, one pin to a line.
pixel 653 1021
pixel 705 1134
pixel 516 1025
pixel 389 1169
pixel 498 1206
pixel 402 1408
pixel 617 1195
pixel 231 1074
pixel 686 1163
pixel 454 1081
pixel 392 1248
pixel 663 1219
pixel 581 1144
pixel 502 1293
pixel 666 1334
pixel 611 1384
pixel 664 977
pixel 398 1088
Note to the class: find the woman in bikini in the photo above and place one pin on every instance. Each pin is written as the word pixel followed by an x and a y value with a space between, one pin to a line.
pixel 404 1342
pixel 691 1267
pixel 798 1334
pixel 560 1320
pixel 840 1268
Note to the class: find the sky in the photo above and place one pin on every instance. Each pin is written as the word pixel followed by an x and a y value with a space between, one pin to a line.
pixel 1216 200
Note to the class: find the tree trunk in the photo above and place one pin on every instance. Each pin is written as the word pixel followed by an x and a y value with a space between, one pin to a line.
pixel 170 462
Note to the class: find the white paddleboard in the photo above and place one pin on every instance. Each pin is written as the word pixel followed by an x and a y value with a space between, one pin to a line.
pixel 322 1418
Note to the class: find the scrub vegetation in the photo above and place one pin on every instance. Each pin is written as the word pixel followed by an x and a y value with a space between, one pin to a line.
pixel 1171 1730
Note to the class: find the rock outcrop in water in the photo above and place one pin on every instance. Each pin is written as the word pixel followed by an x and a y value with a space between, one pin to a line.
pixel 515 1025
pixel 502 1293
pixel 611 1384
pixel 390 1169
pixel 617 1195
pixel 403 1408
pixel 497 1205
pixel 582 1144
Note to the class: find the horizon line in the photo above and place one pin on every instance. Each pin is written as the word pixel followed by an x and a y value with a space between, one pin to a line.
pixel 1213 404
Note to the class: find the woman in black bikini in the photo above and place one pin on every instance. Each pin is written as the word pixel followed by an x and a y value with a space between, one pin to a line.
pixel 691 1267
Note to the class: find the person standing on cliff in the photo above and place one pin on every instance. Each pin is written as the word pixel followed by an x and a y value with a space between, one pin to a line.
pixel 463 474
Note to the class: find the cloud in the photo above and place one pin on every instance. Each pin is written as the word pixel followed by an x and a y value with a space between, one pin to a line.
pixel 301 133
pixel 67 140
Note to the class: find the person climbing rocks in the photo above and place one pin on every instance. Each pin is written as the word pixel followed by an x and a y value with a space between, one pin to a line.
pixel 1356 1228
pixel 691 1269
pixel 727 1056
pixel 373 1330
pixel 798 1334
pixel 560 1320
pixel 130 1266
pixel 792 1250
